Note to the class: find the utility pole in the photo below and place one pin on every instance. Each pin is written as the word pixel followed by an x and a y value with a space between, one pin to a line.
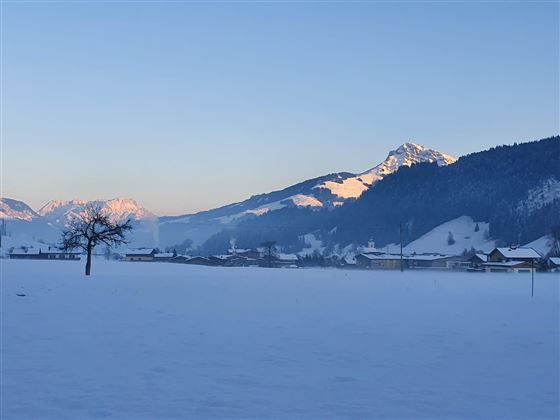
pixel 532 277
pixel 2 231
pixel 400 235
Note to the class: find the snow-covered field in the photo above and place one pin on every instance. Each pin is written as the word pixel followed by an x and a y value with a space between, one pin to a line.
pixel 148 340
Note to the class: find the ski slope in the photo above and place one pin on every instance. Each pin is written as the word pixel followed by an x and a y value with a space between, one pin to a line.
pixel 464 235
pixel 157 340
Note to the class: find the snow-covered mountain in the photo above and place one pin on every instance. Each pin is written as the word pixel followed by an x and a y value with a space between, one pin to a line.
pixel 406 155
pixel 334 190
pixel 327 191
pixel 24 225
pixel 16 210
pixel 120 209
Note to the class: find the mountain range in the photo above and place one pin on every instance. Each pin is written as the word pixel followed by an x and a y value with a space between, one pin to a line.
pixel 414 185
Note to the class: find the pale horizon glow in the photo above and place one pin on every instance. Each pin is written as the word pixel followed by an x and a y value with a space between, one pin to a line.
pixel 190 106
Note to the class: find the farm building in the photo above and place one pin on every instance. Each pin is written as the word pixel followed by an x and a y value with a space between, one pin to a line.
pixel 164 256
pixel 380 260
pixel 47 253
pixel 143 254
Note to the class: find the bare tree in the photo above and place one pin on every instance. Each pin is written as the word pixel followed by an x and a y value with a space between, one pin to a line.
pixel 91 228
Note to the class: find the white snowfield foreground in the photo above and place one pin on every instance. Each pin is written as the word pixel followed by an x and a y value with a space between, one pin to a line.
pixel 178 341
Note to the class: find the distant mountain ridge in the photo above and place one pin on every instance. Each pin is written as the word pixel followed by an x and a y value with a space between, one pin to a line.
pixel 16 210
pixel 120 209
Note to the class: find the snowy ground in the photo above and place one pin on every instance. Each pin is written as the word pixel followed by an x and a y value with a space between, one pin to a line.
pixel 148 340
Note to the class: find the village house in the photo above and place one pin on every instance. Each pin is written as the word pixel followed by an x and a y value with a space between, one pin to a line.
pixel 143 254
pixel 349 261
pixel 219 259
pixel 513 254
pixel 435 261
pixel 509 267
pixel 198 260
pixel 554 264
pixel 285 260
pixel 380 261
pixel 247 253
pixel 512 260
pixel 180 259
pixel 164 256
pixel 47 253
pixel 477 260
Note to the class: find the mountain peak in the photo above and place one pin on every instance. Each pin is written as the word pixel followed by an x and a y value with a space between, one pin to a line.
pixel 406 154
pixel 411 146
pixel 14 209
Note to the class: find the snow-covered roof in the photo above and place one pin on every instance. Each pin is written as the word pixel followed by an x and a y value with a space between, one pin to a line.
pixel 164 255
pixel 382 256
pixel 143 251
pixel 483 257
pixel 416 257
pixel 555 260
pixel 427 257
pixel 29 251
pixel 505 264
pixel 287 257
pixel 519 252
pixel 350 259
pixel 41 250
pixel 238 250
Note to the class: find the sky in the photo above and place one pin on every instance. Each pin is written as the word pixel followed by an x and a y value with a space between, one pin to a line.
pixel 186 106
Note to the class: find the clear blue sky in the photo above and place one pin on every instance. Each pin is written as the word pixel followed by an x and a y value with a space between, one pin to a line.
pixel 187 106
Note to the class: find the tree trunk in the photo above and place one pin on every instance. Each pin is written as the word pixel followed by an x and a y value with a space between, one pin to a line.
pixel 88 262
